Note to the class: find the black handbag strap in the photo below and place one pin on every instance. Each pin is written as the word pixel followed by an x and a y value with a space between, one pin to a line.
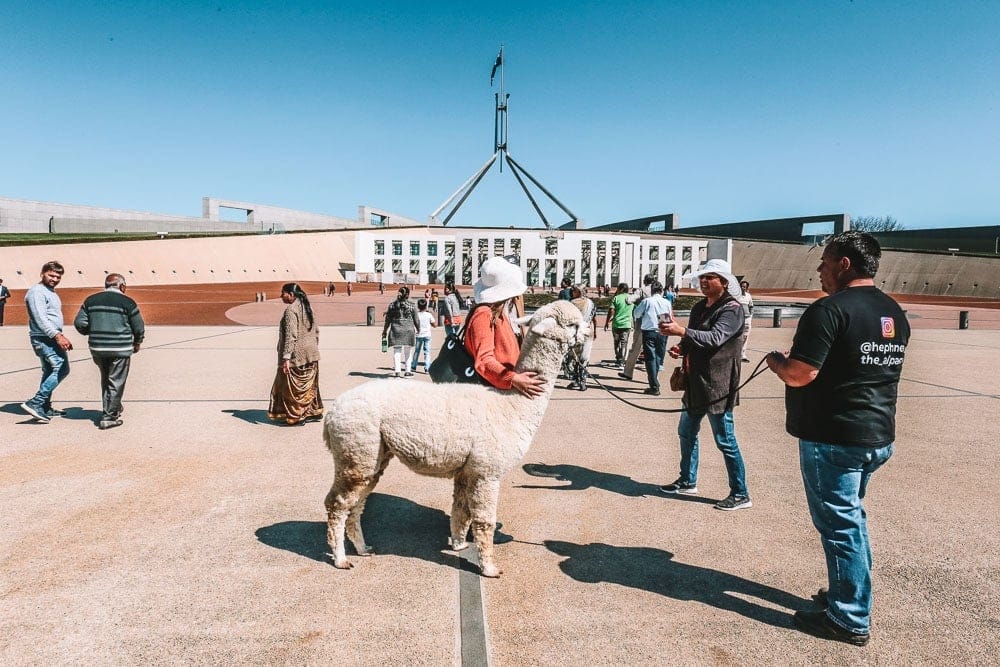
pixel 461 332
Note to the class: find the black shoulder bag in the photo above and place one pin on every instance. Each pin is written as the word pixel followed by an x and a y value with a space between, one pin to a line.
pixel 454 363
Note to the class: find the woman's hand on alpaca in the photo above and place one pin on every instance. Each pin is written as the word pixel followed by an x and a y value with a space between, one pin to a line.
pixel 529 384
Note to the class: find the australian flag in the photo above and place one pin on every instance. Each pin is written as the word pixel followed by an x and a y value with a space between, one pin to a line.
pixel 496 65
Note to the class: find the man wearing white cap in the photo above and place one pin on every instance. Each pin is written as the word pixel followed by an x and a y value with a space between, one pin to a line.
pixel 711 346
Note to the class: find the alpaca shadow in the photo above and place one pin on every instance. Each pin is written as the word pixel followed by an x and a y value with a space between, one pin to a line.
pixel 255 416
pixel 581 478
pixel 372 376
pixel 392 525
pixel 654 570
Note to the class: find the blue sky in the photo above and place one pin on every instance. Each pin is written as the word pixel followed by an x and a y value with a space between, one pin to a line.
pixel 716 111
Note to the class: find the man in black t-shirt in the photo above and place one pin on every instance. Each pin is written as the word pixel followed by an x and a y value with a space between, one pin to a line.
pixel 841 375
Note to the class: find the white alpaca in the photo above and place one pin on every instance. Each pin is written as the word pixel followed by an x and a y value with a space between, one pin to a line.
pixel 472 433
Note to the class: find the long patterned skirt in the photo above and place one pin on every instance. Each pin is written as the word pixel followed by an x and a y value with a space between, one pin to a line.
pixel 295 397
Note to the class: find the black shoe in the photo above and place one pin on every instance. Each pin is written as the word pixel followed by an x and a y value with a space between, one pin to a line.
pixel 734 502
pixel 625 377
pixel 820 598
pixel 680 487
pixel 652 391
pixel 37 413
pixel 818 624
pixel 573 385
pixel 105 424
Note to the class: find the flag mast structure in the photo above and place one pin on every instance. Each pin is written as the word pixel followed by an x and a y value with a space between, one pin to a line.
pixel 500 149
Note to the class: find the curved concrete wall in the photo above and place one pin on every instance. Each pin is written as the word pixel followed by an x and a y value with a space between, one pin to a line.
pixel 785 265
pixel 319 256
pixel 286 257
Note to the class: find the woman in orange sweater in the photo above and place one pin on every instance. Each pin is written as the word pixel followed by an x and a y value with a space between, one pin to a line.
pixel 489 334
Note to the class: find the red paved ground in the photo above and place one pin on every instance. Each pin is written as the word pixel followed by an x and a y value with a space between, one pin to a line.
pixel 233 303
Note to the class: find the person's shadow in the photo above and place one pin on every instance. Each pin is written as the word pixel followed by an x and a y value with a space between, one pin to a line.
pixel 581 478
pixel 373 376
pixel 254 416
pixel 72 413
pixel 654 570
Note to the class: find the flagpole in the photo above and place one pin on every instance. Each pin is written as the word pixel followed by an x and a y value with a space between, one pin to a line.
pixel 500 149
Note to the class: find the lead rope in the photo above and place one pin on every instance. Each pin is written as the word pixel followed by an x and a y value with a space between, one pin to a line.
pixel 758 370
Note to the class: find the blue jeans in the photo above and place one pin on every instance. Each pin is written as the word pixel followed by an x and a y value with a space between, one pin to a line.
pixel 654 344
pixel 55 368
pixel 425 345
pixel 725 440
pixel 835 479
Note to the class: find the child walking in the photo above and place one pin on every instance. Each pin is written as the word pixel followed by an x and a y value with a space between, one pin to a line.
pixel 426 321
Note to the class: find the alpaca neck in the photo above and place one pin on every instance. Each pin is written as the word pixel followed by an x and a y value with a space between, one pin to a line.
pixel 543 356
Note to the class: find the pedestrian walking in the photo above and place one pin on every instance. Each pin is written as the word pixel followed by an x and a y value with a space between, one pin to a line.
pixel 4 295
pixel 400 331
pixel 295 395
pixel 115 331
pixel 45 325
pixel 425 323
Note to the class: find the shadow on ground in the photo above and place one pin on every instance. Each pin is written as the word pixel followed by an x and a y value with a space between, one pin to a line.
pixel 392 525
pixel 72 413
pixel 255 416
pixel 581 478
pixel 654 570
pixel 372 376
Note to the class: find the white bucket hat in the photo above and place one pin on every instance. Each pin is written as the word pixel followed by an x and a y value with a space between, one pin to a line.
pixel 498 280
pixel 720 267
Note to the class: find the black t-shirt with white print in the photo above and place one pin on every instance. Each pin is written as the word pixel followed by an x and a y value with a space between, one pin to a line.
pixel 857 338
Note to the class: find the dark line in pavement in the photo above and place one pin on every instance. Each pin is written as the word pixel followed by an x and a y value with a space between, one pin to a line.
pixel 152 347
pixel 472 616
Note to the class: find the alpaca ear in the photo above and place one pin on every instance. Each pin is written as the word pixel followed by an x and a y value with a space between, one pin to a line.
pixel 543 326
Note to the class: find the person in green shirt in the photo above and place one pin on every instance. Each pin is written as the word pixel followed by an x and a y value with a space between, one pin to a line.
pixel 620 320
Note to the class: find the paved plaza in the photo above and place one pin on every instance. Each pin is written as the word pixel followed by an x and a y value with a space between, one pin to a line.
pixel 195 533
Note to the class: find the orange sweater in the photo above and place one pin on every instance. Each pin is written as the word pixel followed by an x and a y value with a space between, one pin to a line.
pixel 493 345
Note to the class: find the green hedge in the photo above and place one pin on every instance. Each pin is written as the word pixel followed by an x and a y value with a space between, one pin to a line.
pixel 682 302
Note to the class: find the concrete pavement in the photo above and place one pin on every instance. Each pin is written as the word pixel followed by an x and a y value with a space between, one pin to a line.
pixel 195 532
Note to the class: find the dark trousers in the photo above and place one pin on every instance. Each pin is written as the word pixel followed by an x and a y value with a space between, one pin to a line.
pixel 2 306
pixel 114 373
pixel 654 344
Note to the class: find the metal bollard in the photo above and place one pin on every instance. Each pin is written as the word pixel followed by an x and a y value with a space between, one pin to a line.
pixel 963 319
pixel 371 315
pixel 777 318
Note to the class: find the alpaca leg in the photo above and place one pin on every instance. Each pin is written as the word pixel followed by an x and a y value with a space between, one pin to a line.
pixel 354 532
pixel 460 517
pixel 341 499
pixel 483 508
pixel 336 517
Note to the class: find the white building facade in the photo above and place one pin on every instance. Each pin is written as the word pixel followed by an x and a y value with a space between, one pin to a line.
pixel 431 255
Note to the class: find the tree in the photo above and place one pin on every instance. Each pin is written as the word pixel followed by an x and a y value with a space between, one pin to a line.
pixel 871 223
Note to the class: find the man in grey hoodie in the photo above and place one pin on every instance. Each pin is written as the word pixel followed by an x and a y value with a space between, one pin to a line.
pixel 45 324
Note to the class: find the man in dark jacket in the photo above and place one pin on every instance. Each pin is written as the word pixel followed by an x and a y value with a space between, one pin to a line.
pixel 115 330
